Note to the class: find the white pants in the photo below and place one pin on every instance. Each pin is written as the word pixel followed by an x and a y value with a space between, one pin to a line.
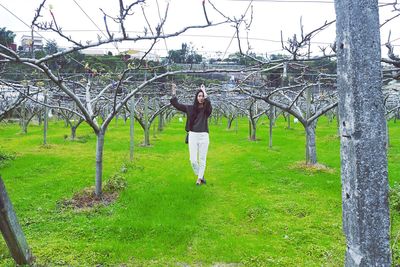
pixel 198 148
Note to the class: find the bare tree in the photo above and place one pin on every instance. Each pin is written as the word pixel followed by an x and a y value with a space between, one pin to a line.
pixel 145 113
pixel 9 100
pixel 115 93
pixel 16 98
pixel 249 106
pixel 303 103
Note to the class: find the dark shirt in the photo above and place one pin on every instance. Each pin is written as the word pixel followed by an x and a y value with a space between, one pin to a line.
pixel 195 122
pixel 200 124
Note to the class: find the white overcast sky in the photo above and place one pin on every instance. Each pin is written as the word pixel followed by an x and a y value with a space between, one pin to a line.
pixel 80 19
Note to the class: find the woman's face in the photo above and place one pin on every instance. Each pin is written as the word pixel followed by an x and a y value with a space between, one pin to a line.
pixel 200 97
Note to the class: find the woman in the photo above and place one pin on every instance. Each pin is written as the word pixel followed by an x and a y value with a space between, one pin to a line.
pixel 197 126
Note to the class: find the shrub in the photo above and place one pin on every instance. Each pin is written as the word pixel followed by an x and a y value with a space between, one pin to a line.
pixel 115 183
pixel 5 157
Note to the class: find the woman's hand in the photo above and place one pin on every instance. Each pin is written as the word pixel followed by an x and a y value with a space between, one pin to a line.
pixel 203 88
pixel 173 89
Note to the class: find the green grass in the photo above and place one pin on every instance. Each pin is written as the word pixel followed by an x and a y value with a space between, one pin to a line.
pixel 258 208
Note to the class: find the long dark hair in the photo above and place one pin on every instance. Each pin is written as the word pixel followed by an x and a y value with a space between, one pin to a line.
pixel 196 102
pixel 196 109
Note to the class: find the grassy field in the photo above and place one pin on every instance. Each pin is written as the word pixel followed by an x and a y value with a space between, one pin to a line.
pixel 259 207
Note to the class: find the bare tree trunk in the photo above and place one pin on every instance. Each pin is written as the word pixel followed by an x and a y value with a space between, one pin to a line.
pixel 311 149
pixel 271 124
pixel 230 120
pixel 146 122
pixel 99 162
pixel 147 135
pixel 132 127
pixel 252 129
pixel 23 119
pixel 73 132
pixel 161 122
pixel 308 103
pixel 284 81
pixel 45 118
pixel 12 231
pixel 154 125
pixel 237 124
pixel 25 122
pixel 366 221
pixel 116 119
pixel 24 127
pixel 330 117
pixel 249 129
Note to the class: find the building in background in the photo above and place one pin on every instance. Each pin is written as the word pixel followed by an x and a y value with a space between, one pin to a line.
pixel 132 54
pixel 26 43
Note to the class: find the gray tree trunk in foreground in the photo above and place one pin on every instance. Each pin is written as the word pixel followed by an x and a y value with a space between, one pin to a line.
pixel 12 231
pixel 363 134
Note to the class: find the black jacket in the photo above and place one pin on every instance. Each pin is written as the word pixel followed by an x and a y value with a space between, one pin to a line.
pixel 189 110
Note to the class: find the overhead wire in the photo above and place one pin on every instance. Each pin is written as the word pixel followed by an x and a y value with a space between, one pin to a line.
pixel 247 9
pixel 188 35
pixel 94 23
pixel 35 31
pixel 194 35
pixel 162 28
pixel 183 35
pixel 18 18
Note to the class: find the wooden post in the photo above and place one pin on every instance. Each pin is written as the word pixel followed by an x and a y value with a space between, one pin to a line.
pixel 11 230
